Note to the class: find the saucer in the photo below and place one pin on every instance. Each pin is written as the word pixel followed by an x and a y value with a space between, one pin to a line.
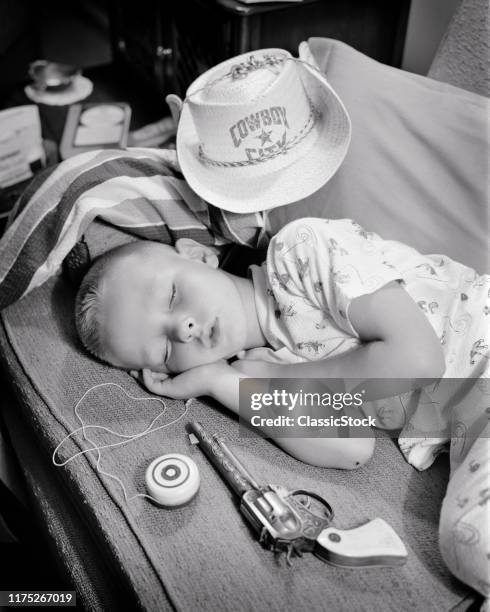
pixel 80 88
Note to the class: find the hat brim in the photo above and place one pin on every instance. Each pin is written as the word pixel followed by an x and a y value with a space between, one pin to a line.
pixel 239 190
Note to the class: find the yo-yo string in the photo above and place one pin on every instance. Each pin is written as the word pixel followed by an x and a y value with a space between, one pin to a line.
pixel 127 437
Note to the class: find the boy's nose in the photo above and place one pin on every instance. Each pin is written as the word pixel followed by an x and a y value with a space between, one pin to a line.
pixel 186 329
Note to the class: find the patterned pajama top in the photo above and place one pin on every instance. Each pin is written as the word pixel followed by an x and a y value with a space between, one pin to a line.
pixel 316 267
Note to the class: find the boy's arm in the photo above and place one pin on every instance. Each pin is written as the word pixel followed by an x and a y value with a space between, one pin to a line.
pixel 221 381
pixel 398 342
pixel 226 387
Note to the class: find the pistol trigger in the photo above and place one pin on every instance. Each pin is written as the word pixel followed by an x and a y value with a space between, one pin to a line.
pixel 305 500
pixel 288 555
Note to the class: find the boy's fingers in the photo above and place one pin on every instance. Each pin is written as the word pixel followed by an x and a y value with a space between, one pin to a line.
pixel 191 383
pixel 163 384
pixel 134 373
pixel 186 385
pixel 171 387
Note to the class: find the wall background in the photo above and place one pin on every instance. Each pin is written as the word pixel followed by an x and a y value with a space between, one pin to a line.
pixel 427 23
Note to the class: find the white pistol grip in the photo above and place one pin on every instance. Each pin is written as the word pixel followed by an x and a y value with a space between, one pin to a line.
pixel 375 543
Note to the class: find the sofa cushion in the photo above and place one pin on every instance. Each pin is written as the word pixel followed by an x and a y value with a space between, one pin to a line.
pixel 203 555
pixel 417 167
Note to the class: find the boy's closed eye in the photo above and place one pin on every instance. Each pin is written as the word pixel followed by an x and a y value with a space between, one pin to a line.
pixel 173 293
pixel 168 352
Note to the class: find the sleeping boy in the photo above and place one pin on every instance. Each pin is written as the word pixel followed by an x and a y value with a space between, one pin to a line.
pixel 330 301
pixel 263 130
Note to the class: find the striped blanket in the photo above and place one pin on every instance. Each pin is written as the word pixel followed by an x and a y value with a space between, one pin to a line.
pixel 137 190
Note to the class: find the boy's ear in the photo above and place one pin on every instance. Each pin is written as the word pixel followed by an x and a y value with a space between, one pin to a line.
pixel 153 381
pixel 190 249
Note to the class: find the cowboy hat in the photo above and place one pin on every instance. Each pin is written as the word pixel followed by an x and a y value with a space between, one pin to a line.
pixel 261 130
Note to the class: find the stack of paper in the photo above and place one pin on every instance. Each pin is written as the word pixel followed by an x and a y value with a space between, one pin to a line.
pixel 20 143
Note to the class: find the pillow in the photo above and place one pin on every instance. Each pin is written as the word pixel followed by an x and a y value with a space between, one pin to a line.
pixel 417 167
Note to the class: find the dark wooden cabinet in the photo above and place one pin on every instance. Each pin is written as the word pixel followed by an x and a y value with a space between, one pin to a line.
pixel 170 43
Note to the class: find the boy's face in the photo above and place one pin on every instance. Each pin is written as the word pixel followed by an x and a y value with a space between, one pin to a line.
pixel 167 312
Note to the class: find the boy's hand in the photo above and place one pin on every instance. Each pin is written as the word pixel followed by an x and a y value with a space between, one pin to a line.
pixel 191 383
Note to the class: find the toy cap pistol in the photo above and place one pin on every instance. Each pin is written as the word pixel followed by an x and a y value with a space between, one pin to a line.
pixel 286 523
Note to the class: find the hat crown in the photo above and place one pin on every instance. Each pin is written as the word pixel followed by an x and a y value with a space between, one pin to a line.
pixel 250 109
pixel 243 81
pixel 261 130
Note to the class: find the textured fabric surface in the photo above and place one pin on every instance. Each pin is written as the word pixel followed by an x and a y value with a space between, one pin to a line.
pixel 463 57
pixel 203 556
pixel 417 167
pixel 78 552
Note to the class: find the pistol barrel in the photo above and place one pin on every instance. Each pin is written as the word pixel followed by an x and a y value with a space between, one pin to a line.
pixel 238 464
pixel 231 470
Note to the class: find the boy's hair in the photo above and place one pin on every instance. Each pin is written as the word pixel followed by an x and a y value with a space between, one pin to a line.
pixel 87 305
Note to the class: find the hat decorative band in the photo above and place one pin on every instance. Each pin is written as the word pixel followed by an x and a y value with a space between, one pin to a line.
pixel 243 69
pixel 282 146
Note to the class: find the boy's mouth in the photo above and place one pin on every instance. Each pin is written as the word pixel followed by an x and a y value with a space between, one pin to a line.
pixel 214 334
pixel 211 337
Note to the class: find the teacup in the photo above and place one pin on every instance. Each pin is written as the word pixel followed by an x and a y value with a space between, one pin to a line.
pixel 52 76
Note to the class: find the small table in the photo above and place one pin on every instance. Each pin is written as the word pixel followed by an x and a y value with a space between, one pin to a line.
pixel 175 42
pixel 110 84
